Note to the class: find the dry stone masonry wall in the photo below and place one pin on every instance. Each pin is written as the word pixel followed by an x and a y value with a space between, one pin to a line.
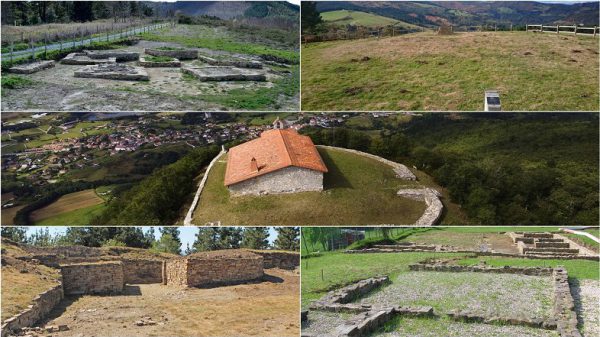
pixel 138 271
pixel 434 209
pixel 30 68
pixel 215 73
pixel 564 307
pixel 182 54
pixel 282 260
pixel 93 278
pixel 286 180
pixel 40 307
pixel 231 63
pixel 188 217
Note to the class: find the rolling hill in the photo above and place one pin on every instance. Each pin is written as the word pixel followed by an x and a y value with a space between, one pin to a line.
pixel 463 13
pixel 231 9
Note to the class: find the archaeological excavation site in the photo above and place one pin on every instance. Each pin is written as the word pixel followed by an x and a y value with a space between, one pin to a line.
pixel 121 291
pixel 454 282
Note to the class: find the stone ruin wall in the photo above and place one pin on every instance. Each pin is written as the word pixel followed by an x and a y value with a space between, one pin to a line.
pixel 93 278
pixel 211 272
pixel 41 306
pixel 286 180
pixel 282 260
pixel 138 271
pixel 176 272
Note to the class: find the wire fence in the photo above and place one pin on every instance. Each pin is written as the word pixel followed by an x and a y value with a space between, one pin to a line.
pixel 325 239
pixel 31 48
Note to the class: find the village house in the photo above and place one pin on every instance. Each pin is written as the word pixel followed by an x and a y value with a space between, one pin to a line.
pixel 279 161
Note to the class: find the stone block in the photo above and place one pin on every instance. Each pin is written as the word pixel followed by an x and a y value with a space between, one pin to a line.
pixel 84 59
pixel 30 68
pixel 181 54
pixel 224 74
pixel 163 64
pixel 113 72
pixel 119 55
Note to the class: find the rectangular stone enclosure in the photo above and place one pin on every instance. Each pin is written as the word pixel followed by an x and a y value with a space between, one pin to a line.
pixel 84 59
pixel 224 74
pixel 113 72
pixel 174 63
pixel 207 270
pixel 93 278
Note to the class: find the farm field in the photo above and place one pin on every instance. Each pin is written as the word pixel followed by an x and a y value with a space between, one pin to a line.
pixel 70 209
pixel 430 72
pixel 357 18
pixel 352 184
pixel 168 89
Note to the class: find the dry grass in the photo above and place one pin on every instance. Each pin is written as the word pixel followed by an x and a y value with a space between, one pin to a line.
pixel 22 281
pixel 358 190
pixel 68 203
pixel 425 71
pixel 258 309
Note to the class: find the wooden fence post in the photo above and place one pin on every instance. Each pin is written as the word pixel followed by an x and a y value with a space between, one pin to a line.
pixel 557 29
pixel 595 28
pixel 32 50
pixel 45 45
pixel 575 27
pixel 12 49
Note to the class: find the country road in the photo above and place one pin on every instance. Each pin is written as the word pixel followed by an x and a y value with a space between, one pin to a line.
pixel 69 44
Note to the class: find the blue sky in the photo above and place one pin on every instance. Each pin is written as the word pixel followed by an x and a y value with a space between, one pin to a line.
pixel 187 234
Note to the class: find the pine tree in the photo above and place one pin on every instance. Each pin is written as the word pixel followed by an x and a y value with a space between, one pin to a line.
pixel 206 239
pixel 167 244
pixel 229 237
pixel 288 238
pixel 255 237
pixel 17 234
pixel 311 18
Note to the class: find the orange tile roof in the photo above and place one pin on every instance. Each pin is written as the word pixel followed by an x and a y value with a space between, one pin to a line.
pixel 272 151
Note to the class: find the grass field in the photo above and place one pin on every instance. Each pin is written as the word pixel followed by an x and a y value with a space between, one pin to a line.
pixel 425 71
pixel 353 185
pixel 356 18
pixel 71 209
pixel 335 269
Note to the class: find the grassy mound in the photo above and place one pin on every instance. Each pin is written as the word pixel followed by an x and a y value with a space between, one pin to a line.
pixel 425 71
pixel 356 18
pixel 358 190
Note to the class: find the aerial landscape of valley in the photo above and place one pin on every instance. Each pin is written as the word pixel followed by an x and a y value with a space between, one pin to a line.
pixel 136 168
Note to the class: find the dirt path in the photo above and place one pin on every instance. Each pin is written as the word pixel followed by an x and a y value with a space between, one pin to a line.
pixel 269 308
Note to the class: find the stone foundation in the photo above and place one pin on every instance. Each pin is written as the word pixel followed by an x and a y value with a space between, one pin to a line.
pixel 113 72
pixel 282 260
pixel 182 54
pixel 93 278
pixel 30 68
pixel 224 74
pixel 165 64
pixel 231 63
pixel 441 267
pixel 40 307
pixel 564 306
pixel 349 293
pixel 84 59
pixel 209 269
pixel 119 55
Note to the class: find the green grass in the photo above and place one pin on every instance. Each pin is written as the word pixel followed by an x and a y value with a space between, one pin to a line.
pixel 80 217
pixel 579 269
pixel 15 82
pixel 150 58
pixel 425 71
pixel 352 186
pixel 262 98
pixel 356 18
pixel 199 36
pixel 339 269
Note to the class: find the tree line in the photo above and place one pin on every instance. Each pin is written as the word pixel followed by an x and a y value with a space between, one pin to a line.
pixel 523 177
pixel 169 241
pixel 23 13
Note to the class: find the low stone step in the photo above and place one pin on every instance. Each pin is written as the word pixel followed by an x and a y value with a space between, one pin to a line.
pixel 552 250
pixel 552 245
pixel 549 240
pixel 538 235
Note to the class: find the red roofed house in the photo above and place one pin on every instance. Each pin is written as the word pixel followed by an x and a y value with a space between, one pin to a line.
pixel 279 161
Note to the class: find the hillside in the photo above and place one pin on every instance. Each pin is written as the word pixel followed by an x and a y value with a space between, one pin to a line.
pixel 473 13
pixel 351 187
pixel 430 72
pixel 232 9
pixel 347 17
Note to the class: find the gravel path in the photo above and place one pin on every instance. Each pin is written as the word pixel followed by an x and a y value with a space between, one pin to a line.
pixel 323 323
pixel 504 295
pixel 587 299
